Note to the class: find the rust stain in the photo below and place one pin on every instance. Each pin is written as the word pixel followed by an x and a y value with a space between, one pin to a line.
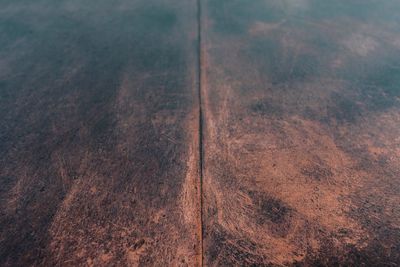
pixel 200 133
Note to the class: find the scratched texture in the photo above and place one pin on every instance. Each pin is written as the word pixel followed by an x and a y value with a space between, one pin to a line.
pixel 100 138
pixel 99 133
pixel 301 103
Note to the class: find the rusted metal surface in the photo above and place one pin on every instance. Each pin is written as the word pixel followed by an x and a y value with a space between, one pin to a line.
pixel 302 133
pixel 190 133
pixel 99 130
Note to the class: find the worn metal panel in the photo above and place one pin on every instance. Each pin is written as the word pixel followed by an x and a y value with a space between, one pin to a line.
pixel 301 132
pixel 99 133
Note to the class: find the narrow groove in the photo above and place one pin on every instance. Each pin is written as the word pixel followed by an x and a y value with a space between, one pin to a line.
pixel 199 78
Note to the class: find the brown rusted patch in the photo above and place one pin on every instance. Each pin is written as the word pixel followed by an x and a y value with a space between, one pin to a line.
pixel 300 167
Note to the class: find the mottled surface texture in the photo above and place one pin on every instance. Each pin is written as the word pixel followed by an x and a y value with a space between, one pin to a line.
pixel 98 133
pixel 271 140
pixel 302 132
